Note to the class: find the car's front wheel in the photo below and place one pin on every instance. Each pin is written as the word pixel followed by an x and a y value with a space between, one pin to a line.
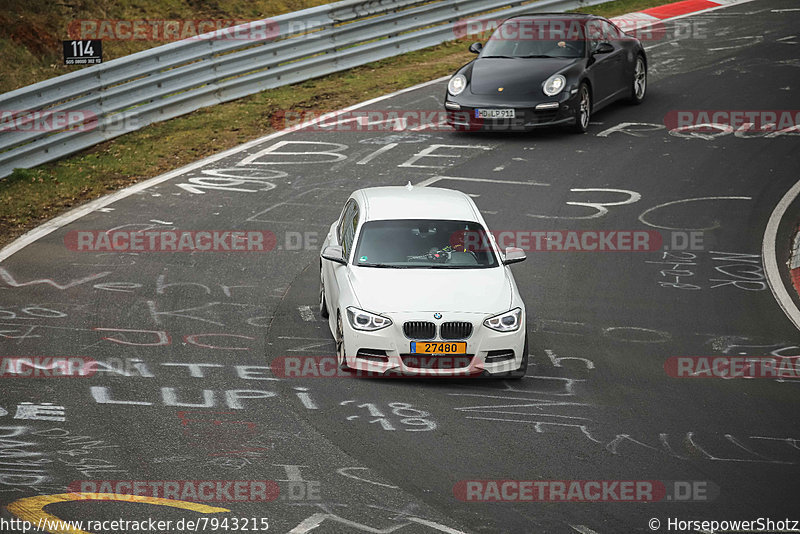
pixel 341 359
pixel 639 83
pixel 523 366
pixel 583 112
pixel 323 306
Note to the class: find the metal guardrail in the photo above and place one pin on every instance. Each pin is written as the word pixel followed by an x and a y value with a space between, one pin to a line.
pixel 126 94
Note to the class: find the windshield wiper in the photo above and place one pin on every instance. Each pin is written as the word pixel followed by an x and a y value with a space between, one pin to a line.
pixel 382 265
pixel 457 267
pixel 541 56
pixel 506 57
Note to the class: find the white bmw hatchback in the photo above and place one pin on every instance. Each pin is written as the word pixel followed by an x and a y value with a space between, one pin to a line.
pixel 412 283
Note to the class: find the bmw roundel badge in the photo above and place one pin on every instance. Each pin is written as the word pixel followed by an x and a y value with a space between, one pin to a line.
pixel 437 315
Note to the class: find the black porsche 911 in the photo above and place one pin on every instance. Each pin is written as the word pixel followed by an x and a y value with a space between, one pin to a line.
pixel 545 70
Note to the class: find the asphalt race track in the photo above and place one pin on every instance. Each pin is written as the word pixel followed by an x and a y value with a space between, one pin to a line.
pixel 193 334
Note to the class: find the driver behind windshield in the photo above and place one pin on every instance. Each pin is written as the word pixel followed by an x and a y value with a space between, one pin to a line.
pixel 428 245
pixel 528 38
pixel 415 243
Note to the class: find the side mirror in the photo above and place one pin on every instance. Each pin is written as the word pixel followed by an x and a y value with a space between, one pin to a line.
pixel 476 48
pixel 604 48
pixel 334 253
pixel 513 255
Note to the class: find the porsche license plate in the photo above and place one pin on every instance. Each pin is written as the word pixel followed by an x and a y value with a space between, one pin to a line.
pixel 436 347
pixel 495 114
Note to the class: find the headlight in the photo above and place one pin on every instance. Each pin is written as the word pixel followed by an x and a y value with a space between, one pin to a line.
pixel 364 320
pixel 457 84
pixel 505 322
pixel 554 85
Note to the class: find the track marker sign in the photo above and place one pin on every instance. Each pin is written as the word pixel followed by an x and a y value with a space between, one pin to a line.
pixel 83 52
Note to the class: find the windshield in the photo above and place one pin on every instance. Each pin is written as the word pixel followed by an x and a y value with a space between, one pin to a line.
pixel 536 38
pixel 407 244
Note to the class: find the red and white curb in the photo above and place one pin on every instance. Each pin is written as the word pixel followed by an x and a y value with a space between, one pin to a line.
pixel 653 15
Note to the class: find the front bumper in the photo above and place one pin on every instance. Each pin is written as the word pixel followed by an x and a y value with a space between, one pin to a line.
pixel 558 110
pixel 388 350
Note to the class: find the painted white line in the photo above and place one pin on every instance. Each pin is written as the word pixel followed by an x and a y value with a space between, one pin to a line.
pixel 435 179
pixel 344 472
pixel 436 526
pixel 749 40
pixel 377 153
pixel 526 414
pixel 429 181
pixel 770 258
pixel 583 529
pixel 312 338
pixel 306 399
pixel 684 201
pixel 95 205
pixel 306 313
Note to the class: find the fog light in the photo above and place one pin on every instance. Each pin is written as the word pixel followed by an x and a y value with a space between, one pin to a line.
pixel 494 356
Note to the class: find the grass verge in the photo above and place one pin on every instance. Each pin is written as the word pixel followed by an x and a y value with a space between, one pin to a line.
pixel 31 196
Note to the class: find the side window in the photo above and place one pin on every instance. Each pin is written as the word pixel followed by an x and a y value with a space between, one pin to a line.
pixel 611 33
pixel 345 216
pixel 350 223
pixel 594 34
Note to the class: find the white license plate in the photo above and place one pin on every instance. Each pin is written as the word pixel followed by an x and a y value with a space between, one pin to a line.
pixel 495 114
